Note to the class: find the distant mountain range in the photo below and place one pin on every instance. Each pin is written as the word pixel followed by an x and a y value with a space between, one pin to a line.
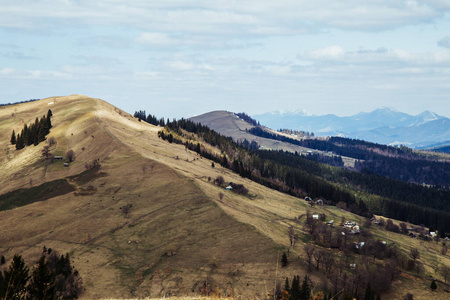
pixel 383 125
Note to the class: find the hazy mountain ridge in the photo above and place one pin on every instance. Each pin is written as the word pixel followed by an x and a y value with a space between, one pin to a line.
pixel 383 125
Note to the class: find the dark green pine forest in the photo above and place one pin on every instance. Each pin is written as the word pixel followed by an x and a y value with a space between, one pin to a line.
pixel 33 134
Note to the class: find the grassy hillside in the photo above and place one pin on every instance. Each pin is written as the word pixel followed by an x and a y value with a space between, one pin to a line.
pixel 182 232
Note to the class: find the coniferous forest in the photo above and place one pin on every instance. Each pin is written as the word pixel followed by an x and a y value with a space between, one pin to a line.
pixel 364 192
pixel 33 134
pixel 394 162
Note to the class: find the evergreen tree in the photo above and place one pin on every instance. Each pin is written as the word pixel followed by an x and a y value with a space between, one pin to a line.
pixel 2 260
pixel 305 292
pixel 433 285
pixel 286 285
pixel 42 284
pixel 284 260
pixel 35 133
pixel 49 122
pixel 24 135
pixel 295 288
pixel 16 278
pixel 40 137
pixel 13 138
pixel 19 143
pixel 369 295
pixel 2 286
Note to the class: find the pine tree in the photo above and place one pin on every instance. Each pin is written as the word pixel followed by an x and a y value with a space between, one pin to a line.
pixel 24 135
pixel 42 284
pixel 2 260
pixel 2 286
pixel 19 142
pixel 42 132
pixel 48 122
pixel 369 295
pixel 284 260
pixel 35 133
pixel 13 138
pixel 286 285
pixel 16 278
pixel 433 285
pixel 295 288
pixel 305 292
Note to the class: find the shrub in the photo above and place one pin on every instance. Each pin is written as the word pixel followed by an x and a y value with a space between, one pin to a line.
pixel 70 155
pixel 219 180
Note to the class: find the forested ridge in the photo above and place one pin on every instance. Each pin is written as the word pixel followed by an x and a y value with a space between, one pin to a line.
pixel 364 193
pixel 400 163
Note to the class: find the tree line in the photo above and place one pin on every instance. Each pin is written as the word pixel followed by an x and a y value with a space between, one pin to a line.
pixel 34 133
pixel 18 102
pixel 399 163
pixel 248 119
pixel 151 119
pixel 52 277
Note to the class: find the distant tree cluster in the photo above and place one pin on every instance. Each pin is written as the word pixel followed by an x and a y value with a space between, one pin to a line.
pixel 248 119
pixel 297 132
pixel 33 134
pixel 296 290
pixel 252 146
pixel 239 188
pixel 25 101
pixel 141 115
pixel 52 277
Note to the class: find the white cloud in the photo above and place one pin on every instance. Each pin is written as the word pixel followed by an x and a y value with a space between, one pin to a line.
pixel 6 71
pixel 380 57
pixel 328 53
pixel 156 39
pixel 225 18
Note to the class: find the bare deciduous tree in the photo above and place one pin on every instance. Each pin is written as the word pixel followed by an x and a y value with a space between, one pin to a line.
pixel 309 251
pixel 445 272
pixel 404 228
pixel 291 236
pixel 46 151
pixel 70 155
pixel 414 253
pixel 51 141
pixel 318 257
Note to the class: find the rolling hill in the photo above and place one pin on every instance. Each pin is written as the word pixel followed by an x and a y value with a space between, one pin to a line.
pixel 229 124
pixel 182 235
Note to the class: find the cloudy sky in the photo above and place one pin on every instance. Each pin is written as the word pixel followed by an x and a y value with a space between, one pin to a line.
pixel 183 58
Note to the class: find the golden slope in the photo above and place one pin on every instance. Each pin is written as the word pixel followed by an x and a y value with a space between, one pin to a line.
pixel 174 238
pixel 178 235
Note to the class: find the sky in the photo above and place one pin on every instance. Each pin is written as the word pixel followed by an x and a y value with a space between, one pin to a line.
pixel 184 58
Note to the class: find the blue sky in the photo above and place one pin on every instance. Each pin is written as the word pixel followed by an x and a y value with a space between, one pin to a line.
pixel 184 58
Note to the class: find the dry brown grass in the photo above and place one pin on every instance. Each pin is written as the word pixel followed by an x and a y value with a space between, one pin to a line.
pixel 179 233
